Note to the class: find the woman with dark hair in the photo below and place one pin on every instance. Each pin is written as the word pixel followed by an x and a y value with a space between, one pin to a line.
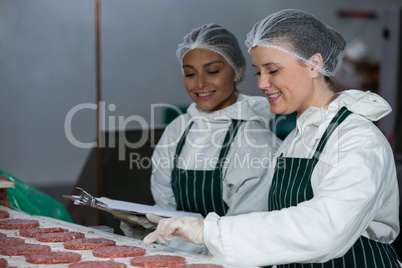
pixel 334 197
pixel 215 157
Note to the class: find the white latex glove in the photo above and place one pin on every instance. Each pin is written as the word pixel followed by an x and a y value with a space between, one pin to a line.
pixel 155 219
pixel 189 229
pixel 149 221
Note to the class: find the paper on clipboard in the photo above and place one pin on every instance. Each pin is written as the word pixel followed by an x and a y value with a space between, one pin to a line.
pixel 135 208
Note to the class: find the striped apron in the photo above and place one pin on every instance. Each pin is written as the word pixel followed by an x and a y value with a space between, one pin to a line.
pixel 200 191
pixel 295 173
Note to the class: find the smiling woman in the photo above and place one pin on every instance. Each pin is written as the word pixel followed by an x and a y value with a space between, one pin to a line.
pixel 210 153
pixel 283 79
pixel 209 79
pixel 333 200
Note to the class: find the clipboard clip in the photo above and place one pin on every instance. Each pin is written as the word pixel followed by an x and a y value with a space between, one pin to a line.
pixel 88 200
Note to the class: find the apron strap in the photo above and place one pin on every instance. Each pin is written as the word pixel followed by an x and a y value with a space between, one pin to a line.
pixel 335 122
pixel 181 143
pixel 230 135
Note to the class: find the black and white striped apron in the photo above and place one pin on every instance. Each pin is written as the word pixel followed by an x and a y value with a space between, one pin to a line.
pixel 292 185
pixel 201 190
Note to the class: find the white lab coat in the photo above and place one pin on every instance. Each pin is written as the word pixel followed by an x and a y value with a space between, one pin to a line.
pixel 246 181
pixel 355 193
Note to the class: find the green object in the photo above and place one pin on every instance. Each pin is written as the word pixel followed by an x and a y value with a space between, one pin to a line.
pixel 29 199
pixel 170 113
pixel 282 125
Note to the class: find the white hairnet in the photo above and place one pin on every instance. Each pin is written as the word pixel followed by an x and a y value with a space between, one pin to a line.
pixel 300 35
pixel 217 39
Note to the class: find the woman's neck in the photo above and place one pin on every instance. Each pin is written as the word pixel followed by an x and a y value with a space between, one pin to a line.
pixel 327 95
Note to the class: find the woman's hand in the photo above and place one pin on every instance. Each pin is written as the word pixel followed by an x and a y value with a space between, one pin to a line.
pixel 189 229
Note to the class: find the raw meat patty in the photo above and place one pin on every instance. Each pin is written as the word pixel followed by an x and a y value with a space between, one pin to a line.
pixel 6 241
pixel 158 261
pixel 118 251
pixel 89 243
pixel 4 193
pixel 18 224
pixel 96 264
pixel 53 257
pixel 59 236
pixel 4 214
pixel 23 249
pixel 3 262
pixel 33 232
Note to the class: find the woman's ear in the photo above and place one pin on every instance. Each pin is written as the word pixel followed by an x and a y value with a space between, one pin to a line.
pixel 236 79
pixel 317 62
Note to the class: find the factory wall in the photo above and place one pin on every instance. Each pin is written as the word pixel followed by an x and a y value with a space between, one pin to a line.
pixel 47 69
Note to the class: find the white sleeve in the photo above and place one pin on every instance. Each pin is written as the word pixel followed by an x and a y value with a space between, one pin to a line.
pixel 361 188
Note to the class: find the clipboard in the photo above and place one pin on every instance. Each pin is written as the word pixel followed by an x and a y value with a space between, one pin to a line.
pixel 112 205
